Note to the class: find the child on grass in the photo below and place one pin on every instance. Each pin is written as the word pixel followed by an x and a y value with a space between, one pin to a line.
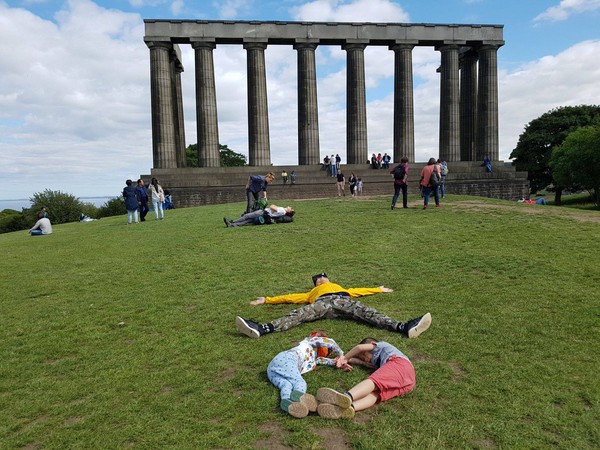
pixel 395 376
pixel 286 369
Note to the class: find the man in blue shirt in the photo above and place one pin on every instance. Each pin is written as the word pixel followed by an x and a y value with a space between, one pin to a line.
pixel 255 185
pixel 143 199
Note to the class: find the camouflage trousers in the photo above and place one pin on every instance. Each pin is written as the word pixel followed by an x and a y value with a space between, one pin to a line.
pixel 335 307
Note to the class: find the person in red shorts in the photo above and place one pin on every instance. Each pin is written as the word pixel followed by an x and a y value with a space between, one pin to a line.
pixel 394 376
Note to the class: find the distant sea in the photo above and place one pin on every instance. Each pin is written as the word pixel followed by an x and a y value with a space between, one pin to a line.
pixel 20 203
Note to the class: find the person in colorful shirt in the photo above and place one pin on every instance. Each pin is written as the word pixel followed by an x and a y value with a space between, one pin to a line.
pixel 329 300
pixel 286 369
pixel 394 376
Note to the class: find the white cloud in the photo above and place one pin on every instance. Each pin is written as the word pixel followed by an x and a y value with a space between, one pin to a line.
pixel 74 99
pixel 350 11
pixel 567 79
pixel 566 8
pixel 230 9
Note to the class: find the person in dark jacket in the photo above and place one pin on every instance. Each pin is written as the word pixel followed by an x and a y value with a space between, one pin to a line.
pixel 143 199
pixel 132 201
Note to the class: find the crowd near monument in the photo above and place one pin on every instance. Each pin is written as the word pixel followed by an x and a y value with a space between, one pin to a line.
pixel 468 130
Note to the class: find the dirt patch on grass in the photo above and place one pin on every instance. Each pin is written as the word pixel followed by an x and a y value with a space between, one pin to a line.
pixel 333 438
pixel 274 441
pixel 530 209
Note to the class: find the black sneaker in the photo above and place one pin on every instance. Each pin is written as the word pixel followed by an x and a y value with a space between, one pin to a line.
pixel 227 223
pixel 252 329
pixel 415 327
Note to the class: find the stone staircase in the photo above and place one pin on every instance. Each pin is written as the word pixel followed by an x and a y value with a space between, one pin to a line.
pixel 196 186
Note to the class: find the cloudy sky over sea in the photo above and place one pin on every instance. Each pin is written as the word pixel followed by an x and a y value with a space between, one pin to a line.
pixel 75 81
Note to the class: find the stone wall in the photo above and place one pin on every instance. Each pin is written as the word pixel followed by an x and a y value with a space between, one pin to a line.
pixel 205 186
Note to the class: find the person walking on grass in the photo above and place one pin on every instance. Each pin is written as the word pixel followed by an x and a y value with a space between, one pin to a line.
pixel 341 184
pixel 427 184
pixel 329 300
pixel 400 173
pixel 286 369
pixel 394 376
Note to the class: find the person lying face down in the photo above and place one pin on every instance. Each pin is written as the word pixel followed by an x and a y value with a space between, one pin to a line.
pixel 272 212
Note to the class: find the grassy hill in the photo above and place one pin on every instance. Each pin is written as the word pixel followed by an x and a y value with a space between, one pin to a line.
pixel 117 336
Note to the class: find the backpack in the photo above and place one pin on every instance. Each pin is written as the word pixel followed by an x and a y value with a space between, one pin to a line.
pixel 444 168
pixel 435 180
pixel 399 172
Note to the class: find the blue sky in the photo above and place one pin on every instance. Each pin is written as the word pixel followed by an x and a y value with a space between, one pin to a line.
pixel 75 88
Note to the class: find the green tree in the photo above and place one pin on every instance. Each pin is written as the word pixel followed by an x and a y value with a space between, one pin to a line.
pixel 62 207
pixel 12 220
pixel 228 158
pixel 541 135
pixel 113 207
pixel 577 161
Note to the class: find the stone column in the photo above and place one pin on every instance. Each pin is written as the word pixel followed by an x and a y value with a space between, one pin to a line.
pixel 164 142
pixel 308 108
pixel 207 126
pixel 178 118
pixel 468 105
pixel 356 104
pixel 449 104
pixel 487 104
pixel 258 114
pixel 404 114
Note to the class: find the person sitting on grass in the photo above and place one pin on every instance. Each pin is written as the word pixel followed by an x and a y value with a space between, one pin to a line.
pixel 268 215
pixel 328 300
pixel 394 376
pixel 286 369
pixel 42 226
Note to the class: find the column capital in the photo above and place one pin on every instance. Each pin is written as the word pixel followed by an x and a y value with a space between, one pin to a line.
pixel 158 44
pixel 310 44
pixel 203 43
pixel 449 46
pixel 255 45
pixel 359 45
pixel 402 46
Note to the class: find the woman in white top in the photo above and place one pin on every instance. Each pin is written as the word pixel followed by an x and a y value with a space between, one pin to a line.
pixel 42 226
pixel 158 198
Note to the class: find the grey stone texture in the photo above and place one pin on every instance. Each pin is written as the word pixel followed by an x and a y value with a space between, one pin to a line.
pixel 203 186
pixel 468 82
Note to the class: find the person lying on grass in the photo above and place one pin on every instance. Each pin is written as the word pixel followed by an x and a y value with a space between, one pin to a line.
pixel 328 300
pixel 394 376
pixel 271 214
pixel 286 369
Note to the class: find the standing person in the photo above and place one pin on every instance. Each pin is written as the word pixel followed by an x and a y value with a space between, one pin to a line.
pixel 42 226
pixel 359 186
pixel 400 173
pixel 341 184
pixel 352 182
pixel 426 183
pixel 158 198
pixel 284 176
pixel 332 166
pixel 255 185
pixel 394 376
pixel 338 161
pixel 286 369
pixel 254 217
pixel 444 172
pixel 326 163
pixel 132 201
pixel 293 177
pixel 329 300
pixel 143 199
pixel 386 161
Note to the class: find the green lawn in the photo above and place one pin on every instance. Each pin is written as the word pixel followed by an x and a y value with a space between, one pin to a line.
pixel 117 336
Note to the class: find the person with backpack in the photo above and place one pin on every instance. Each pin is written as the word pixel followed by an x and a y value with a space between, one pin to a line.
pixel 400 173
pixel 431 178
pixel 444 171
pixel 268 215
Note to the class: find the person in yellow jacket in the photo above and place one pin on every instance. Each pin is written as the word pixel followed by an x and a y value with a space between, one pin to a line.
pixel 329 300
